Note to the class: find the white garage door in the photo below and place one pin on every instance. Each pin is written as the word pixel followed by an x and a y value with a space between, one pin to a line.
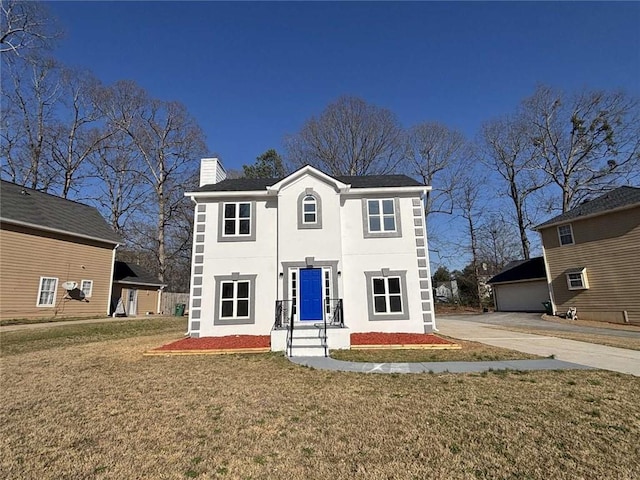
pixel 521 297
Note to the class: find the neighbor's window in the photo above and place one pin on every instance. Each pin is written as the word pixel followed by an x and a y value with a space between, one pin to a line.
pixel 577 279
pixel 381 215
pixel 387 295
pixel 234 299
pixel 309 209
pixel 86 286
pixel 566 234
pixel 47 291
pixel 237 219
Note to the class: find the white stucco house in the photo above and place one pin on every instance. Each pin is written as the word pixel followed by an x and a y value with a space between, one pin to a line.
pixel 309 258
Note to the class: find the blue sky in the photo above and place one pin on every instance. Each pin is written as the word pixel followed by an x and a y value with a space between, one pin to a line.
pixel 253 72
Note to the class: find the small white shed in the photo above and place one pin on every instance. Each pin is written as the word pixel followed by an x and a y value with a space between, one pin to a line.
pixel 521 287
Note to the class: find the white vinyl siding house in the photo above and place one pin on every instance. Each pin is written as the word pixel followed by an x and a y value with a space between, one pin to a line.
pixel 316 246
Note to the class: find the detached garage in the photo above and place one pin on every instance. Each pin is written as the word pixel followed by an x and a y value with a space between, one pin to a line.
pixel 521 287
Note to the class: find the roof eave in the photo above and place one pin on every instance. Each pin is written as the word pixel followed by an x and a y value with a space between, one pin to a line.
pixel 537 279
pixel 228 193
pixel 407 189
pixel 57 230
pixel 125 282
pixel 585 217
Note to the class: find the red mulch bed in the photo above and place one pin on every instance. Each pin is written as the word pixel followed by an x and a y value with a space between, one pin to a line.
pixel 219 343
pixel 377 338
pixel 264 341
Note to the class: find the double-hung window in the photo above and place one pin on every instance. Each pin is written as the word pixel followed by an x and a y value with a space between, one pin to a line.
pixel 234 299
pixel 237 219
pixel 47 291
pixel 86 286
pixel 577 279
pixel 565 234
pixel 381 215
pixel 309 209
pixel 387 295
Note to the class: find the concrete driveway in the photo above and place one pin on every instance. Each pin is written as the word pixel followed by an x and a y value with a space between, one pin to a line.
pixel 479 328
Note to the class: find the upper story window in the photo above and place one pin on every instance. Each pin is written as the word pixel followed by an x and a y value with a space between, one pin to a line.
pixel 47 291
pixel 565 233
pixel 381 217
pixel 237 222
pixel 237 218
pixel 309 210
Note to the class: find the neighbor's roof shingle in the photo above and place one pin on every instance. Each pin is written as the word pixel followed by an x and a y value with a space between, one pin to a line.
pixel 130 273
pixel 522 270
pixel 620 197
pixel 24 205
pixel 364 181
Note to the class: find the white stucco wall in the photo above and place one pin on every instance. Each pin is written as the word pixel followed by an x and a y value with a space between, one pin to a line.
pixel 245 257
pixel 372 254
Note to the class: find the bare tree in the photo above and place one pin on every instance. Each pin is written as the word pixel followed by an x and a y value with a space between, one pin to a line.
pixel 585 142
pixel 81 133
pixel 350 137
pixel 31 92
pixel 115 164
pixel 505 147
pixel 468 202
pixel 167 139
pixel 25 26
pixel 436 153
pixel 496 243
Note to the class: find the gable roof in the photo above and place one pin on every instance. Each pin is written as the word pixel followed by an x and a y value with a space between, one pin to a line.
pixel 31 208
pixel 519 270
pixel 130 273
pixel 615 199
pixel 363 181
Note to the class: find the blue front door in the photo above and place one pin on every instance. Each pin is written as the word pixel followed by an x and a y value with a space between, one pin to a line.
pixel 310 294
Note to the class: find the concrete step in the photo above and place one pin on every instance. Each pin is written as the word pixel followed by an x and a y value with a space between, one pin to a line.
pixel 307 341
pixel 307 351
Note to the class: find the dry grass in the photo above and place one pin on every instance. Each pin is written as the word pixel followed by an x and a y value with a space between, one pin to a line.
pixel 469 352
pixel 620 342
pixel 102 411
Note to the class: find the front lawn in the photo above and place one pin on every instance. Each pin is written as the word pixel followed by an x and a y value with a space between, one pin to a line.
pixel 93 407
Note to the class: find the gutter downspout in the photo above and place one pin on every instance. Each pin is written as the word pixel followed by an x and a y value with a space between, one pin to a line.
pixel 113 269
pixel 159 299
pixel 548 272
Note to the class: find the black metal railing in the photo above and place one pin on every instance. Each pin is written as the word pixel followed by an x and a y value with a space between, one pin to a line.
pixel 284 319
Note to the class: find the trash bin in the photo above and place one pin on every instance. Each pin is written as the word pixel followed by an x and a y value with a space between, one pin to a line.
pixel 547 308
pixel 180 308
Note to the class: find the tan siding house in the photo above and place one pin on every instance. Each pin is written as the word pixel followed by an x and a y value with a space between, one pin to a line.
pixel 56 256
pixel 592 255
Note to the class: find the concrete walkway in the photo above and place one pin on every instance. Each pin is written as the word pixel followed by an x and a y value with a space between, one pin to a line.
pixel 37 326
pixel 323 363
pixel 583 353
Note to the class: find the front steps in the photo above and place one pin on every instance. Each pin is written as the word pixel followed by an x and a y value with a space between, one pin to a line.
pixel 307 341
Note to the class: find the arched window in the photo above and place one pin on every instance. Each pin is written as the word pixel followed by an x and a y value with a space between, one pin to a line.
pixel 309 209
